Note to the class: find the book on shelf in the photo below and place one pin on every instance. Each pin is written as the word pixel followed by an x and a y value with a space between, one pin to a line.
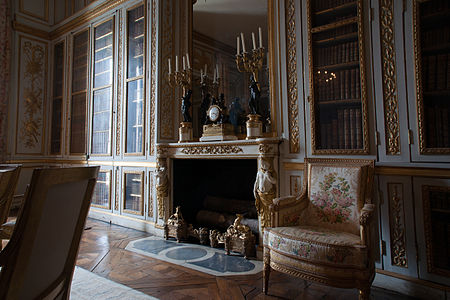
pixel 448 72
pixel 346 84
pixel 340 121
pixel 358 85
pixel 341 85
pixel 323 136
pixel 334 128
pixel 346 129
pixel 352 133
pixel 430 128
pixel 441 83
pixel 358 127
pixel 445 128
pixel 438 125
pixel 329 135
pixel 431 82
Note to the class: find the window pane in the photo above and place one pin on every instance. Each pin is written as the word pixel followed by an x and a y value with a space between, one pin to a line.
pixel 77 123
pixel 102 188
pixel 133 192
pixel 101 123
pixel 135 109
pixel 103 51
pixel 136 42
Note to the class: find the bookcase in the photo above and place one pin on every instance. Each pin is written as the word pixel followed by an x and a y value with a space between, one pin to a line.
pixel 337 98
pixel 79 93
pixel 432 57
pixel 135 80
pixel 56 113
pixel 102 191
pixel 102 90
pixel 133 192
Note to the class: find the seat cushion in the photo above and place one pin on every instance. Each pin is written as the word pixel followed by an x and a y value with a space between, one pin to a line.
pixel 336 197
pixel 317 245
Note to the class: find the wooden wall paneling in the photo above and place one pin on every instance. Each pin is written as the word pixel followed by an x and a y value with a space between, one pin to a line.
pixel 397 225
pixel 38 9
pixel 427 269
pixel 32 96
pixel 389 80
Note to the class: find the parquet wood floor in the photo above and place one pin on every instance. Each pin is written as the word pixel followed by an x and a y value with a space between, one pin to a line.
pixel 102 252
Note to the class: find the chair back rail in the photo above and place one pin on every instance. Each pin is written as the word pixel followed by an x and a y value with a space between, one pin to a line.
pixel 39 260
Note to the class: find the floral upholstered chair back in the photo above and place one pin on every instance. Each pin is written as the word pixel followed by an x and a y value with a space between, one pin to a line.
pixel 337 190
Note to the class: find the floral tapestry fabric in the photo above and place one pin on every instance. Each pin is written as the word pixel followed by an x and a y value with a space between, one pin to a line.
pixel 5 38
pixel 317 245
pixel 335 199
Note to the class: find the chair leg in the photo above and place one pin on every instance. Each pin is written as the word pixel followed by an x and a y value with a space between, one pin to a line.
pixel 266 270
pixel 364 293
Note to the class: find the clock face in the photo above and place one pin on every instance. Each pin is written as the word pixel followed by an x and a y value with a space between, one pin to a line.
pixel 214 113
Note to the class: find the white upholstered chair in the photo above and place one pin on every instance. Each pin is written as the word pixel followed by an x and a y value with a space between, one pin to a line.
pixel 324 234
pixel 39 260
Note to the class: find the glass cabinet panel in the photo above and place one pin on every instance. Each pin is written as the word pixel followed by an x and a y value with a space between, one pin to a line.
pixel 102 88
pixel 432 31
pixel 102 191
pixel 135 80
pixel 58 79
pixel 133 192
pixel 79 93
pixel 338 101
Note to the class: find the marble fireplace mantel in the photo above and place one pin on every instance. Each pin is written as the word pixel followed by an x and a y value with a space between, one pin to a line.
pixel 265 150
pixel 221 149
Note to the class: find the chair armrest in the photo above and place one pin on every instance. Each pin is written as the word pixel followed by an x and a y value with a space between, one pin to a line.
pixel 286 211
pixel 364 222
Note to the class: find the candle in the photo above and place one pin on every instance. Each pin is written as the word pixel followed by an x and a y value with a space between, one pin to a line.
pixel 187 61
pixel 237 46
pixel 214 81
pixel 170 68
pixel 217 70
pixel 176 63
pixel 184 63
pixel 201 76
pixel 260 37
pixel 243 42
pixel 205 69
pixel 253 40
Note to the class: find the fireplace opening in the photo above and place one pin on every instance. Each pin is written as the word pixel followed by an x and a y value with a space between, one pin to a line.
pixel 210 192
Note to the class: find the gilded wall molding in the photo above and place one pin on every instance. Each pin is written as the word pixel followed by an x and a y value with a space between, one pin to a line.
pixel 117 196
pixel 295 186
pixel 166 105
pixel 219 149
pixel 150 194
pixel 32 82
pixel 32 13
pixel 119 88
pixel 391 118
pixel 397 225
pixel 153 68
pixel 291 57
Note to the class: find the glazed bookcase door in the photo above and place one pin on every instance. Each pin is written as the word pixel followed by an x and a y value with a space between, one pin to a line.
pixel 103 188
pixel 397 225
pixel 133 192
pixel 337 98
pixel 431 34
pixel 78 106
pixel 135 107
pixel 57 98
pixel 432 204
pixel 102 87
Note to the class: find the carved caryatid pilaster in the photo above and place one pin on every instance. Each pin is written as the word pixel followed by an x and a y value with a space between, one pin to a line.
pixel 162 186
pixel 264 189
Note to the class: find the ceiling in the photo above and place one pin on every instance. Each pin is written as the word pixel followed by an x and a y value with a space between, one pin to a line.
pixel 224 20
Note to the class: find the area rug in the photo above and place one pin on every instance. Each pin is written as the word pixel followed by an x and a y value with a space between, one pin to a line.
pixel 201 258
pixel 88 286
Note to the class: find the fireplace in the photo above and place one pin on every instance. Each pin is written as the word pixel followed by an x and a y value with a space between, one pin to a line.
pixel 211 191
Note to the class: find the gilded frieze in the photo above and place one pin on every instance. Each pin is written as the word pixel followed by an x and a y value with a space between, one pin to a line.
pixel 391 118
pixel 119 88
pixel 150 195
pixel 32 83
pixel 116 200
pixel 397 225
pixel 219 149
pixel 291 57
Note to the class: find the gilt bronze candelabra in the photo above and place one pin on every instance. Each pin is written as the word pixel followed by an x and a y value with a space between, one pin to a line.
pixel 251 62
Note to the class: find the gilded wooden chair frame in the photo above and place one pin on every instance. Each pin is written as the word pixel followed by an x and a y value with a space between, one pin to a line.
pixel 15 257
pixel 285 212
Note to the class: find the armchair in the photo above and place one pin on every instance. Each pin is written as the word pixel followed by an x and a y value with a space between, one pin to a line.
pixel 39 260
pixel 323 235
pixel 9 175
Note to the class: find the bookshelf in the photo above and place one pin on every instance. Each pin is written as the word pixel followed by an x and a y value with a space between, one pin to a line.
pixel 58 79
pixel 337 84
pixel 102 191
pixel 432 49
pixel 133 192
pixel 79 93
pixel 135 80
pixel 102 87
